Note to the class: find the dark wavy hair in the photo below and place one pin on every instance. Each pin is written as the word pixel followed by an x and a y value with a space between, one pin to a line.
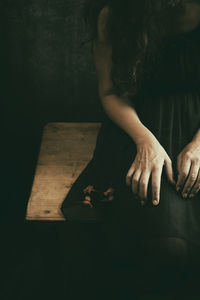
pixel 135 30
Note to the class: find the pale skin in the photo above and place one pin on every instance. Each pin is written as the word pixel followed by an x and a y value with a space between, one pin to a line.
pixel 151 157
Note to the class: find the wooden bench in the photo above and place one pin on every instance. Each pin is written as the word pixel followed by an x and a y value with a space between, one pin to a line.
pixel 66 149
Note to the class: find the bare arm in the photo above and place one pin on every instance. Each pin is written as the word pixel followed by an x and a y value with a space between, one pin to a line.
pixel 120 110
pixel 150 156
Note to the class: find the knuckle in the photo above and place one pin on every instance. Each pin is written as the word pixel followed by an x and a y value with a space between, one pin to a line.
pixel 183 174
pixel 128 176
pixel 134 180
pixel 193 177
pixel 196 159
pixel 193 158
pixel 143 183
pixel 157 168
pixel 188 155
pixel 145 169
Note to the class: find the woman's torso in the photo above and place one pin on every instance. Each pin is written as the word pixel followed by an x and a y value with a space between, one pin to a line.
pixel 169 102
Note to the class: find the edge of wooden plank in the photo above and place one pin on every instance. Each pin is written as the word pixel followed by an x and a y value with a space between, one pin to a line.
pixel 46 127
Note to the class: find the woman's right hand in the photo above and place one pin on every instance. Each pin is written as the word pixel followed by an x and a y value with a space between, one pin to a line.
pixel 149 161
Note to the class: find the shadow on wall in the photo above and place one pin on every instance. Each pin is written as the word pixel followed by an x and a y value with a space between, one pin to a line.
pixel 48 74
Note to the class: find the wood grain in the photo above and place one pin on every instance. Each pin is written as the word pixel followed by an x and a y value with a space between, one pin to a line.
pixel 66 149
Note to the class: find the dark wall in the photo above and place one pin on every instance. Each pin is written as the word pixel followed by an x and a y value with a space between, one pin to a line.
pixel 46 74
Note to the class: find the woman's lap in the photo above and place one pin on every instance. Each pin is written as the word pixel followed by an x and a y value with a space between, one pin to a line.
pixel 144 265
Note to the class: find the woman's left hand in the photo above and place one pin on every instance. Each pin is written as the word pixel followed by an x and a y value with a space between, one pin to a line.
pixel 188 167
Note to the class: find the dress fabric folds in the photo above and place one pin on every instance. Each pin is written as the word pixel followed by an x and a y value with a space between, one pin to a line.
pixel 168 104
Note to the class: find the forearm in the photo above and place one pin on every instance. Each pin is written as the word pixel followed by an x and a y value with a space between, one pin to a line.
pixel 122 112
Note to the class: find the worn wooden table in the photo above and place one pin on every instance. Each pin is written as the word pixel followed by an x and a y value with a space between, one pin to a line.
pixel 66 149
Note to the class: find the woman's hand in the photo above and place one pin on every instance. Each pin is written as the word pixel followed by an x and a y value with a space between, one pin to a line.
pixel 188 164
pixel 149 160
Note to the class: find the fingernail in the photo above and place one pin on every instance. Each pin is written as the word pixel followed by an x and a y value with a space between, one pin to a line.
pixel 178 188
pixel 155 202
pixel 184 195
pixel 191 195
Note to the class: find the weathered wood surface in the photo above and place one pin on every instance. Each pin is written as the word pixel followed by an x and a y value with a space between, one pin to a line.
pixel 66 149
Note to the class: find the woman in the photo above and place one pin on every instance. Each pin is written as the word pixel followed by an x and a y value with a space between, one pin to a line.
pixel 143 180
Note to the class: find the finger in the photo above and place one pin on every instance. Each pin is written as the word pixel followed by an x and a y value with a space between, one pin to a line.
pixel 196 186
pixel 169 170
pixel 192 176
pixel 143 185
pixel 183 173
pixel 156 179
pixel 129 175
pixel 178 165
pixel 135 182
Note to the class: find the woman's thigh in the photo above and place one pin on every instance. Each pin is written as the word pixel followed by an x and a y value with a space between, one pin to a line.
pixel 148 259
pixel 154 265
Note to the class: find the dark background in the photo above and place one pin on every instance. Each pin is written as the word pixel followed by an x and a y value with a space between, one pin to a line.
pixel 47 75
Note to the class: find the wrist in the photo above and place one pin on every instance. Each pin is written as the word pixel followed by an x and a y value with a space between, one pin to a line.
pixel 144 136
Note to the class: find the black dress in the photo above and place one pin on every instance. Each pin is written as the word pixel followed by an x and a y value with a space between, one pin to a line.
pixel 169 106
